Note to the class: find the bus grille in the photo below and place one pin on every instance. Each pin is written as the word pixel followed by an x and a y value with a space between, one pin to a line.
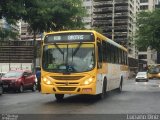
pixel 69 83
pixel 67 77
pixel 66 88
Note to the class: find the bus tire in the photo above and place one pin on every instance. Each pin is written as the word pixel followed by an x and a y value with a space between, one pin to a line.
pixel 59 97
pixel 34 88
pixel 1 90
pixel 120 86
pixel 103 94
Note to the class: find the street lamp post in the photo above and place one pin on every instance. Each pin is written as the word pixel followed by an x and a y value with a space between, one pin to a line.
pixel 9 55
pixel 113 11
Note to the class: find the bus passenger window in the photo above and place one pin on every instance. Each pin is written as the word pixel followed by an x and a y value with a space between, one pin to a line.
pixel 99 55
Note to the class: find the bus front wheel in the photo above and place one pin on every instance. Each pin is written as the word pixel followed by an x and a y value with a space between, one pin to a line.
pixel 59 97
pixel 103 94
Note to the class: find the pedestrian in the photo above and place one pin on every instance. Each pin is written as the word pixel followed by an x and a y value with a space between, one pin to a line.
pixel 38 75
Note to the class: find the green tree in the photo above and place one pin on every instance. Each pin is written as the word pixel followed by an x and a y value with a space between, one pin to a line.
pixel 148 31
pixel 44 15
pixel 7 33
pixel 53 15
pixel 11 11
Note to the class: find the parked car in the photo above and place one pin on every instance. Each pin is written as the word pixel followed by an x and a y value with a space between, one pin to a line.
pixel 19 80
pixel 142 77
pixel 1 88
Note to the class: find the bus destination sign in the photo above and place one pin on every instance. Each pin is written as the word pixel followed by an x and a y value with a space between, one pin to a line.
pixel 66 37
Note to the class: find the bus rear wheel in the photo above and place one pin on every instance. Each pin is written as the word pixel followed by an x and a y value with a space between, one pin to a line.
pixel 120 86
pixel 59 97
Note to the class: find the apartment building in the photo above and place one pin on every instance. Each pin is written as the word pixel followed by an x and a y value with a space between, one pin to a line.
pixel 26 34
pixel 147 4
pixel 88 5
pixel 116 20
pixel 148 54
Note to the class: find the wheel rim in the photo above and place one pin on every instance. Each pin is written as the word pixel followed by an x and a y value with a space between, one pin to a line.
pixel 34 87
pixel 21 88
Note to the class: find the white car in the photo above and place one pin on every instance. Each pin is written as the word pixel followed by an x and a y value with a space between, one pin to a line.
pixel 142 77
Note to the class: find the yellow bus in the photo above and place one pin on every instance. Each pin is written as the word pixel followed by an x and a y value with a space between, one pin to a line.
pixel 81 62
pixel 154 71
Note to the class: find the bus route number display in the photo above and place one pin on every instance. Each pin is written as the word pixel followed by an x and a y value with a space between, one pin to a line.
pixel 68 37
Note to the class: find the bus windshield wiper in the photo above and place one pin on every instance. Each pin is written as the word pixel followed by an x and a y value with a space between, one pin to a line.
pixel 59 48
pixel 76 50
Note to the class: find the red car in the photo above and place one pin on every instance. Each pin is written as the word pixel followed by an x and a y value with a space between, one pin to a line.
pixel 19 80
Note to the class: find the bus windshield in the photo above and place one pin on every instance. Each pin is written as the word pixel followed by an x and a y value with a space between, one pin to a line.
pixel 68 58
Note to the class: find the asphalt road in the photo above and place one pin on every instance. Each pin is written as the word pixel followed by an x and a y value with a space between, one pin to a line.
pixel 136 98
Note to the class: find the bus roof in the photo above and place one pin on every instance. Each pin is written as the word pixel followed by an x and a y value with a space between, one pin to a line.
pixel 93 31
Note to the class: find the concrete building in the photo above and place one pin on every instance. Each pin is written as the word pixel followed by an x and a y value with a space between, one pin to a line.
pixel 26 34
pixel 147 4
pixel 116 20
pixel 148 54
pixel 88 5
pixel 12 50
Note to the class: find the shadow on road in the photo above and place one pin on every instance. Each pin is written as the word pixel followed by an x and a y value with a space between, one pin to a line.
pixel 85 99
pixel 16 92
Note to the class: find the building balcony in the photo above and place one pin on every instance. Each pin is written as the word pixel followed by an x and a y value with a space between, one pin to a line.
pixel 121 2
pixel 103 10
pixel 102 22
pixel 102 16
pixel 121 15
pixel 121 21
pixel 102 4
pixel 116 29
pixel 121 9
pixel 120 29
pixel 120 34
pixel 101 0
pixel 121 40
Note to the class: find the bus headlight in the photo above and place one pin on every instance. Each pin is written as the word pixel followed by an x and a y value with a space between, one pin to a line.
pixel 88 81
pixel 47 81
pixel 158 74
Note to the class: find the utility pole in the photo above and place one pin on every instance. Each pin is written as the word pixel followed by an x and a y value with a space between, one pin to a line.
pixel 113 11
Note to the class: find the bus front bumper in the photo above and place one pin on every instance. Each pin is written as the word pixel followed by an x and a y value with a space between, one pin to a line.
pixel 83 89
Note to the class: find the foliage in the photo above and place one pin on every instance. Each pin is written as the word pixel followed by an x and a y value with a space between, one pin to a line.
pixel 148 31
pixel 7 33
pixel 11 10
pixel 44 15
pixel 51 15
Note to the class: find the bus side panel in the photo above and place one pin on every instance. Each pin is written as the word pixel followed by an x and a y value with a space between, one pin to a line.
pixel 114 75
pixel 101 75
pixel 99 83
